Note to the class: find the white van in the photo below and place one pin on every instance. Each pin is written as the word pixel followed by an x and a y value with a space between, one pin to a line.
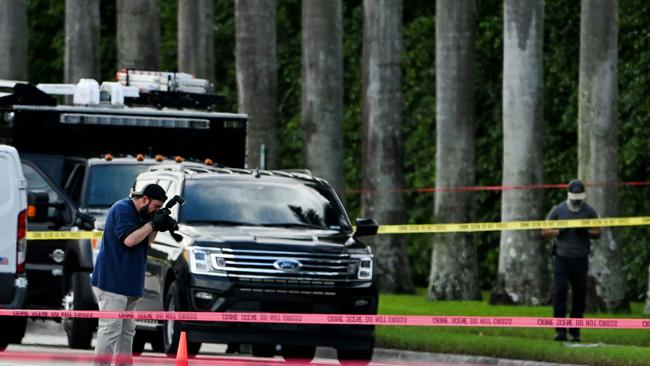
pixel 13 242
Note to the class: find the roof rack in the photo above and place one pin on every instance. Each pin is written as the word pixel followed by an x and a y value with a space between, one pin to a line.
pixel 188 167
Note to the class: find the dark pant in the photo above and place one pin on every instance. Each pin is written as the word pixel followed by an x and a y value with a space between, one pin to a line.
pixel 574 271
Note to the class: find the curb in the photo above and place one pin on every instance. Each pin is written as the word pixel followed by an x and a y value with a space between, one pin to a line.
pixel 401 356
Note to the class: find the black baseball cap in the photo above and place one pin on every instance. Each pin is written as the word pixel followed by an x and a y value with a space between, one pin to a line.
pixel 155 192
pixel 576 190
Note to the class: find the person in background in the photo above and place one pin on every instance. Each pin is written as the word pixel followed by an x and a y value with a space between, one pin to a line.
pixel 571 256
pixel 118 276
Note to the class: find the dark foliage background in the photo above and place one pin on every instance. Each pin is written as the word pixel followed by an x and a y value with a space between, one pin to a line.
pixel 561 62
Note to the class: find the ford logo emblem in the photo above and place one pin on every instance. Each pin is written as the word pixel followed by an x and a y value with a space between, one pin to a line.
pixel 287 265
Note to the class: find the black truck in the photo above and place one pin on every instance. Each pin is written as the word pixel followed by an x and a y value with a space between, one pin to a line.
pixel 80 158
pixel 258 241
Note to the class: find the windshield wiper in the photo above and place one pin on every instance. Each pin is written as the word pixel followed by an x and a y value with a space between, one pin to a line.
pixel 221 222
pixel 296 224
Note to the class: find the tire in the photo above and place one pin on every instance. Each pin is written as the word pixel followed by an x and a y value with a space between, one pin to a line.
pixel 16 329
pixel 79 297
pixel 356 355
pixel 171 329
pixel 263 350
pixel 303 353
pixel 139 341
pixel 156 341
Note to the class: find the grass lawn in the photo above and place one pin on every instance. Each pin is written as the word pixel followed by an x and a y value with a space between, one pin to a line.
pixel 598 347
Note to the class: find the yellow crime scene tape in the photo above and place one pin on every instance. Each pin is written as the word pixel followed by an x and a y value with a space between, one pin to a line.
pixel 63 235
pixel 513 225
pixel 420 229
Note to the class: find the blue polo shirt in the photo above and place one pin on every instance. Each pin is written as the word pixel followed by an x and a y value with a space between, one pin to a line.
pixel 118 268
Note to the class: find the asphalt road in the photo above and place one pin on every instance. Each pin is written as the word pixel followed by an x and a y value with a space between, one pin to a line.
pixel 45 344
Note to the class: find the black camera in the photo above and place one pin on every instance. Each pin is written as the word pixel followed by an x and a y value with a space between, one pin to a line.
pixel 167 211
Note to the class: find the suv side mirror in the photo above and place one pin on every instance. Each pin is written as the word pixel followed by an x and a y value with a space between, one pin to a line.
pixel 38 202
pixel 366 227
pixel 84 221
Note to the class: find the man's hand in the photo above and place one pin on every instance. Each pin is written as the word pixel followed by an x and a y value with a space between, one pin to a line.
pixel 160 220
pixel 550 233
pixel 594 232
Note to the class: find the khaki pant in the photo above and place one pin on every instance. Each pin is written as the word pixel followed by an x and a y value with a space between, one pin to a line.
pixel 114 336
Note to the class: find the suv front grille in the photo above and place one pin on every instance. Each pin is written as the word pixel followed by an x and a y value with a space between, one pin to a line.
pixel 285 265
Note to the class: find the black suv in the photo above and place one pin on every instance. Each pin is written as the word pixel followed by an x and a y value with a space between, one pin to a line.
pixel 258 241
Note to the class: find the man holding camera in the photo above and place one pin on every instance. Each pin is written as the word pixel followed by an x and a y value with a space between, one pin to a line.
pixel 118 276
pixel 571 256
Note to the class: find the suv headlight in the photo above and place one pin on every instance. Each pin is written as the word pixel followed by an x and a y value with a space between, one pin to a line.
pixel 202 260
pixel 364 269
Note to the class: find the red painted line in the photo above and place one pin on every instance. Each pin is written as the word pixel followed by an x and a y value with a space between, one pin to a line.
pixel 496 188
pixel 344 319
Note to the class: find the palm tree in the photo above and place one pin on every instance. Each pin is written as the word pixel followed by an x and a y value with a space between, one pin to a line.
pixel 195 38
pixel 523 276
pixel 454 267
pixel 322 90
pixel 598 147
pixel 382 138
pixel 138 34
pixel 13 39
pixel 82 52
pixel 257 79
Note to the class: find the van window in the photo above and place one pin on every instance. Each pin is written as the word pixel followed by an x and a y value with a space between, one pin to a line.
pixel 36 183
pixel 108 183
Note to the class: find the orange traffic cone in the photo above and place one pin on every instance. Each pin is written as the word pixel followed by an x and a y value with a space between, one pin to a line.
pixel 181 354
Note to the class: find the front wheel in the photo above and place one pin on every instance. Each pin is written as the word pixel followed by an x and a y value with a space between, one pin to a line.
pixel 263 350
pixel 13 331
pixel 304 353
pixel 171 328
pixel 79 330
pixel 357 355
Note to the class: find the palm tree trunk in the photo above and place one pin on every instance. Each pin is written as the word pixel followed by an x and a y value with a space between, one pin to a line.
pixel 383 166
pixel 598 147
pixel 195 38
pixel 523 276
pixel 257 79
pixel 82 53
pixel 454 267
pixel 322 90
pixel 138 34
pixel 13 40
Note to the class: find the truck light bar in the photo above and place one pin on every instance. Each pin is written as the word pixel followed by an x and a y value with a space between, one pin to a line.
pixel 148 81
pixel 134 121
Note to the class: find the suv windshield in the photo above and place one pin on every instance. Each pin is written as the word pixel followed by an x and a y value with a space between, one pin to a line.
pixel 257 202
pixel 108 183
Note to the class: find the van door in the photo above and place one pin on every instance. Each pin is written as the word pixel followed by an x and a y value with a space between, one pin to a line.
pixel 45 258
